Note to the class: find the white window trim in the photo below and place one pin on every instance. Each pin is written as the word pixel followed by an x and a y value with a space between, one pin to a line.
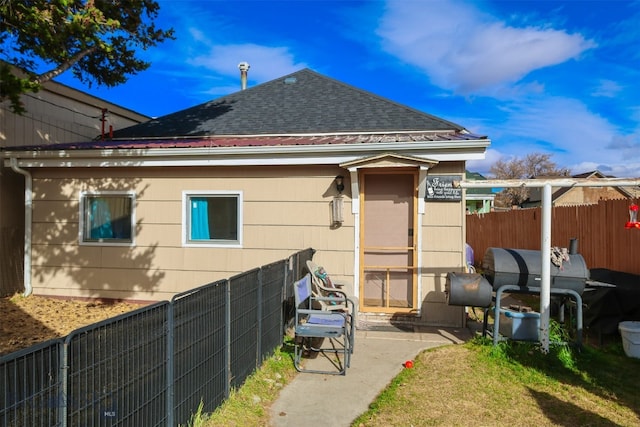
pixel 83 195
pixel 210 244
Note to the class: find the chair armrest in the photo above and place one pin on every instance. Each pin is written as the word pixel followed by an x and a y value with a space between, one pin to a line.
pixel 336 296
pixel 341 298
pixel 339 284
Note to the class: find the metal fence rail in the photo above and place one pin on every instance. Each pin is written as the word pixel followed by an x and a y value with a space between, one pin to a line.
pixel 153 366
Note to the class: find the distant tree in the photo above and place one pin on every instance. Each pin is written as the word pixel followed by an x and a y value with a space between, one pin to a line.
pixel 96 39
pixel 533 165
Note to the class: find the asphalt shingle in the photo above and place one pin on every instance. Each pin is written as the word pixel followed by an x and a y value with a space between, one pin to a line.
pixel 304 102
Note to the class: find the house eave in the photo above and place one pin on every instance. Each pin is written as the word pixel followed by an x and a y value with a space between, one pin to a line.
pixel 218 156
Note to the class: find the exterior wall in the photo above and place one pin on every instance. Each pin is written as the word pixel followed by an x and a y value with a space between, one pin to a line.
pixel 56 114
pixel 577 196
pixel 443 237
pixel 284 210
pixel 588 196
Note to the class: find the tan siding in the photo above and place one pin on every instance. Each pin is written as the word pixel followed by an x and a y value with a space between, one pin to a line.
pixel 443 214
pixel 439 262
pixel 443 239
pixel 67 211
pixel 442 252
pixel 289 212
pixel 440 313
pixel 453 168
pixel 153 234
pixel 284 210
pixel 158 211
pixel 55 233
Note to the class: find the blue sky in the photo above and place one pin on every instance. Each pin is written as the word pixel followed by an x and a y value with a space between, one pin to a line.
pixel 560 77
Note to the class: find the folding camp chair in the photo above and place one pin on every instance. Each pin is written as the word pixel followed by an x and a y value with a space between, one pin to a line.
pixel 315 325
pixel 324 286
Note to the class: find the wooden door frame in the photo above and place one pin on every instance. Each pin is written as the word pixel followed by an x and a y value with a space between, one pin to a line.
pixel 415 173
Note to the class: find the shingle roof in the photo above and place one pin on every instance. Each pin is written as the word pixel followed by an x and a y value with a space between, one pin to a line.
pixel 304 102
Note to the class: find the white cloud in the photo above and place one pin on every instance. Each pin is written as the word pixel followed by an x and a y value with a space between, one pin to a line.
pixel 607 88
pixel 578 138
pixel 483 166
pixel 464 50
pixel 197 34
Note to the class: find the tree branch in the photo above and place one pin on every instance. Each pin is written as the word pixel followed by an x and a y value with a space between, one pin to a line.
pixel 45 77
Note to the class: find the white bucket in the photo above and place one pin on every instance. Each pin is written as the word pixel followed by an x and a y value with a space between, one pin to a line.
pixel 630 332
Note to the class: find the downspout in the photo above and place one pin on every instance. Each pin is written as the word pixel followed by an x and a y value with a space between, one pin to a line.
pixel 28 204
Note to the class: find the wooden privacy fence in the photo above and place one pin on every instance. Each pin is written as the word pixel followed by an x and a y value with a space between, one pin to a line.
pixel 603 240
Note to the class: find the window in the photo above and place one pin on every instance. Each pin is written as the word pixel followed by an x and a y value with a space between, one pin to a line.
pixel 212 219
pixel 106 218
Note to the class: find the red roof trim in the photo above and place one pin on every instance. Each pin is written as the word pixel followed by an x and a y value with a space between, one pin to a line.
pixel 267 141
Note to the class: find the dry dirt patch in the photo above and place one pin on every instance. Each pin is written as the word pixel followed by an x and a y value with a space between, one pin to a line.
pixel 28 321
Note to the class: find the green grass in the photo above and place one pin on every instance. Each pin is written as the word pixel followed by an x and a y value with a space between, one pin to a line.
pixel 512 383
pixel 475 383
pixel 249 405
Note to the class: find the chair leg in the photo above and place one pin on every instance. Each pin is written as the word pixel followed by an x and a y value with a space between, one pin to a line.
pixel 342 347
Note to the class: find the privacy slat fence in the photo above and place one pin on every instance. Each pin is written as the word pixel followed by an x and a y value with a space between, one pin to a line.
pixel 155 365
pixel 603 241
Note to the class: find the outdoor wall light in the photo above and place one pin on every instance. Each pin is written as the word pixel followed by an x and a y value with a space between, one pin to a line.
pixel 340 183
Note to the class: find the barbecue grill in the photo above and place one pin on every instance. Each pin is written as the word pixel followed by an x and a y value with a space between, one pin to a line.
pixel 517 271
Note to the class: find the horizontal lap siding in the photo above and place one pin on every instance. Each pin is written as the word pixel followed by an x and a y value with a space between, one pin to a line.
pixel 442 252
pixel 284 210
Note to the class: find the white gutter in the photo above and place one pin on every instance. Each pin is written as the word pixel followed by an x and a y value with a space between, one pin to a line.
pixel 545 250
pixel 28 204
pixel 237 156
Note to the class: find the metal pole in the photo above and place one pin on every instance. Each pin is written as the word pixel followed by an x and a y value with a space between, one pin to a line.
pixel 171 403
pixel 227 339
pixel 545 279
pixel 64 392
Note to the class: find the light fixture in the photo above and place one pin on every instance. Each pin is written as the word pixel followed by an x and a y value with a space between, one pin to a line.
pixel 340 183
pixel 337 207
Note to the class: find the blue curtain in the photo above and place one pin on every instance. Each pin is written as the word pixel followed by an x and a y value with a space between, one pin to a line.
pixel 100 219
pixel 199 219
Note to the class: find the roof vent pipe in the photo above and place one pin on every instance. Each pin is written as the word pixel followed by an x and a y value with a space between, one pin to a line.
pixel 244 67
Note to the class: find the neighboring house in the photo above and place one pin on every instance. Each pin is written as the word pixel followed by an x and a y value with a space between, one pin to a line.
pixel 479 200
pixel 572 196
pixel 237 182
pixel 56 114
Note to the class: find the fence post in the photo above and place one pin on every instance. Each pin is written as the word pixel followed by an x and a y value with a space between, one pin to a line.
pixel 170 366
pixel 64 388
pixel 227 353
pixel 259 314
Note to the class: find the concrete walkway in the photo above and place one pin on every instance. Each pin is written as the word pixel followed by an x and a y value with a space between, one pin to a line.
pixel 333 400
